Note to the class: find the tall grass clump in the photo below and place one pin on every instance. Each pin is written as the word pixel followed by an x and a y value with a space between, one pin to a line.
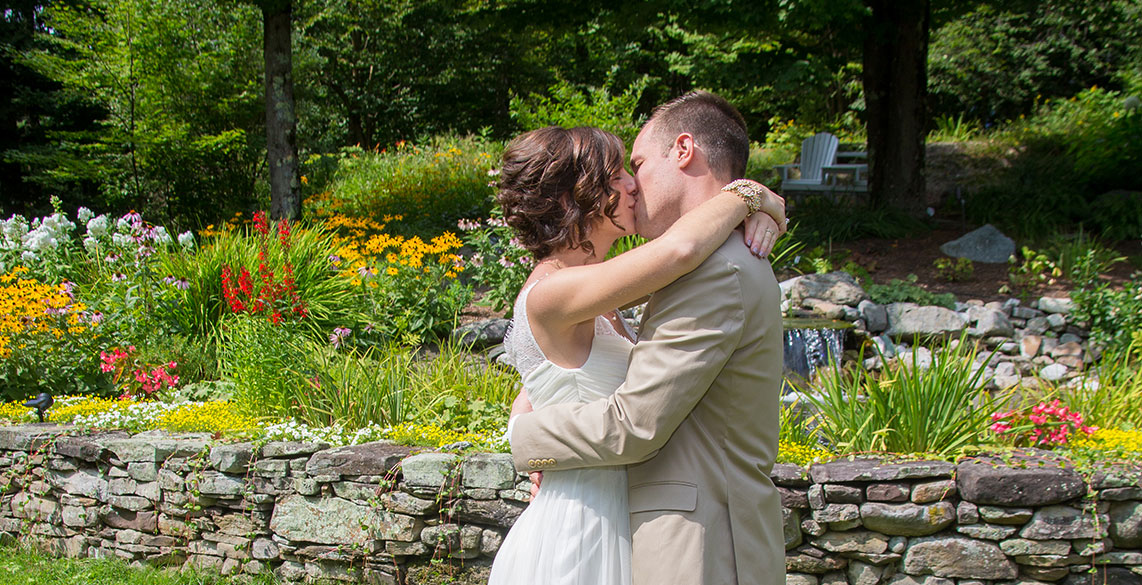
pixel 1111 401
pixel 908 408
pixel 433 185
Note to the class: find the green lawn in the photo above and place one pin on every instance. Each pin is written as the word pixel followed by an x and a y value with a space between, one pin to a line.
pixel 19 566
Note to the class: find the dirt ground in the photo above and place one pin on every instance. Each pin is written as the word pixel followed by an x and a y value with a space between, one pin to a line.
pixel 891 259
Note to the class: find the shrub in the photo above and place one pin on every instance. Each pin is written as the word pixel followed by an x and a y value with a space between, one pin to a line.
pixel 410 289
pixel 49 341
pixel 1035 268
pixel 941 409
pixel 1058 160
pixel 953 270
pixel 433 186
pixel 1113 315
pixel 499 265
pixel 569 106
pixel 329 299
pixel 907 291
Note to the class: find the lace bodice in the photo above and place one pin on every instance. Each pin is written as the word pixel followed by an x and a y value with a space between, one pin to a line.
pixel 520 347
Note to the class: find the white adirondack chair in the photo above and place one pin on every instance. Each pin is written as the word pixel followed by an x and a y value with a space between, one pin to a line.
pixel 819 168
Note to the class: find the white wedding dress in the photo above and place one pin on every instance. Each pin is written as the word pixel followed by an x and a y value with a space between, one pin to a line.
pixel 577 530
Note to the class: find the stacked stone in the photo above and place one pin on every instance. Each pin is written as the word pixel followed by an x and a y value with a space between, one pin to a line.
pixel 1024 521
pixel 367 512
pixel 1025 343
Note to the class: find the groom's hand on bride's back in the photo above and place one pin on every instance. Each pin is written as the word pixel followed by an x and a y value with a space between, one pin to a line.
pixel 536 478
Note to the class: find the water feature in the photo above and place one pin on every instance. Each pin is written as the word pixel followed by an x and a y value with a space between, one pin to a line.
pixel 810 344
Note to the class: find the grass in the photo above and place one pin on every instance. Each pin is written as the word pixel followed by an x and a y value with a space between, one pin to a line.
pixel 21 565
pixel 941 409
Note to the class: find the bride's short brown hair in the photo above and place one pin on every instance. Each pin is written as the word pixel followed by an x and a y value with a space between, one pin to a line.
pixel 555 182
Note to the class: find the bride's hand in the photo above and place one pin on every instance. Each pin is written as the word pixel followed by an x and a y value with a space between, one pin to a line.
pixel 536 478
pixel 761 233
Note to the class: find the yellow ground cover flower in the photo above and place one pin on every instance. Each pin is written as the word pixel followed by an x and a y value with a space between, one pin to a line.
pixel 428 435
pixel 15 411
pixel 1112 443
pixel 85 407
pixel 798 454
pixel 209 417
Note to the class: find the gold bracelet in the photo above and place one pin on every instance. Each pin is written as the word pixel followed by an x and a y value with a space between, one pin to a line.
pixel 749 191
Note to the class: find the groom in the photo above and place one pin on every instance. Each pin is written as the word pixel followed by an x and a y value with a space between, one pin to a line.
pixel 697 419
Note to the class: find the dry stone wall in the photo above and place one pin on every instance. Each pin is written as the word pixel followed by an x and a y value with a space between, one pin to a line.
pixel 369 512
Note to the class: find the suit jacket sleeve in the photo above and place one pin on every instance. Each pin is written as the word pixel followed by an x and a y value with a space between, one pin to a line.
pixel 690 331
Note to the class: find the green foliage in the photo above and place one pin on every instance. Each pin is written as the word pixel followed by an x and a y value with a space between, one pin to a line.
pixel 798 439
pixel 568 106
pixel 278 372
pixel 261 359
pixel 1113 314
pixel 625 244
pixel 1058 161
pixel 432 186
pixel 1119 214
pixel 993 62
pixel 330 298
pixel 907 291
pixel 953 270
pixel 497 264
pixel 949 129
pixel 1072 252
pixel 940 409
pixel 177 83
pixel 1034 268
pixel 1111 400
pixel 353 390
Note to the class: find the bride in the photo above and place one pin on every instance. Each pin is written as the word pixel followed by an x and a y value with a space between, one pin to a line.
pixel 568 197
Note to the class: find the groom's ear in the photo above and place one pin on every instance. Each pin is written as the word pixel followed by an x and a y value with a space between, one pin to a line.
pixel 683 150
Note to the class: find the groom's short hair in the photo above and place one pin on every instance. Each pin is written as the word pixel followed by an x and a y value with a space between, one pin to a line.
pixel 716 125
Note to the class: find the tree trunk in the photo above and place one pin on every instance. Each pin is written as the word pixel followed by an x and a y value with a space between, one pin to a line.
pixel 281 120
pixel 895 91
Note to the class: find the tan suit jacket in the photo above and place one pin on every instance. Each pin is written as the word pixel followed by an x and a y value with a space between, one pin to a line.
pixel 697 421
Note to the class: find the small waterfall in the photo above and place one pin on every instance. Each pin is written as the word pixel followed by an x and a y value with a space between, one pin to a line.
pixel 808 348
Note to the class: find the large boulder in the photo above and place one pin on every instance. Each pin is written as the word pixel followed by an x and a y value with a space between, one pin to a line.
pixel 377 458
pixel 909 320
pixel 1126 524
pixel 1028 480
pixel 835 287
pixel 907 519
pixel 957 557
pixel 481 334
pixel 338 522
pixel 986 244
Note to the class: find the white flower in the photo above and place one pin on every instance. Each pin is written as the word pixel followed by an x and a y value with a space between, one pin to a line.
pixel 121 239
pixel 186 239
pixel 90 244
pixel 97 226
pixel 28 256
pixel 160 235
pixel 84 214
